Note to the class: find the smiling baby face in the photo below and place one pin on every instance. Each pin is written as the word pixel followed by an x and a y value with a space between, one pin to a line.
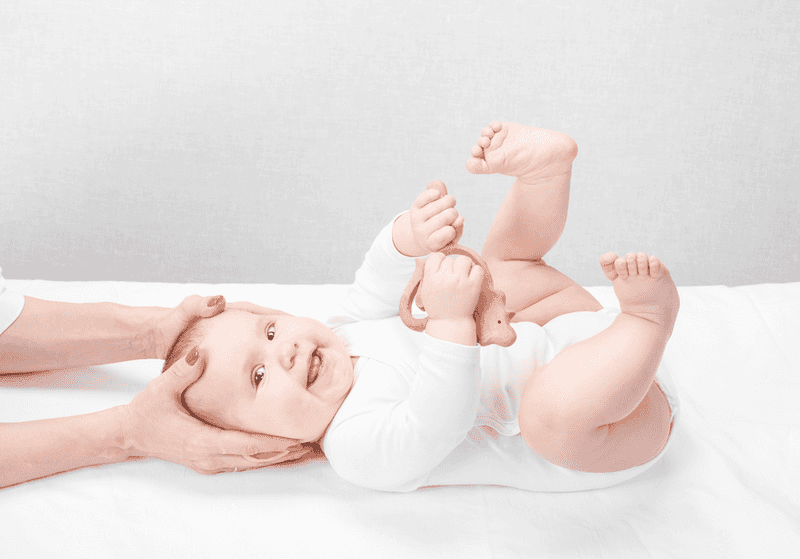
pixel 274 374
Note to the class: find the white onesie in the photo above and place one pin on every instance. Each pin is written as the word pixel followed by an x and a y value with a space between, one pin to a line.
pixel 11 305
pixel 416 413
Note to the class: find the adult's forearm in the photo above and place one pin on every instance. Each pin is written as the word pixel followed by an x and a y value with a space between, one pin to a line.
pixel 35 449
pixel 55 335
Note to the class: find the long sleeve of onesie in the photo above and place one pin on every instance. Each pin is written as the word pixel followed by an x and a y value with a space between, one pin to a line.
pixel 411 405
pixel 379 282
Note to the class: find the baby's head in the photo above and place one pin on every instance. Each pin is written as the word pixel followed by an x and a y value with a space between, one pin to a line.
pixel 257 370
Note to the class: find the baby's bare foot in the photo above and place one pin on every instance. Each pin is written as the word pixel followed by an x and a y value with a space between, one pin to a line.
pixel 521 151
pixel 643 286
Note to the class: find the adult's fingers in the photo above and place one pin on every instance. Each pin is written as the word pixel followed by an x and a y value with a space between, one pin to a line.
pixel 184 372
pixel 222 464
pixel 247 444
pixel 206 307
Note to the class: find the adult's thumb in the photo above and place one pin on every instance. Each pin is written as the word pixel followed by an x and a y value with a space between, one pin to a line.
pixel 185 371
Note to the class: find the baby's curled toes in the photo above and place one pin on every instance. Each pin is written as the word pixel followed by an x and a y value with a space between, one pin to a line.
pixel 643 286
pixel 607 264
pixel 524 152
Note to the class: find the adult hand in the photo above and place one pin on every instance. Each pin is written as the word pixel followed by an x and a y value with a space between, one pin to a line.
pixel 156 425
pixel 171 324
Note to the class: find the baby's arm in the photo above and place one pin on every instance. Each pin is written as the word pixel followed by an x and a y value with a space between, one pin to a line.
pixel 390 261
pixel 451 288
pixel 390 433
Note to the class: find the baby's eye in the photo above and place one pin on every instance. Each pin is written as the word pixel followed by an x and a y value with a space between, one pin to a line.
pixel 271 327
pixel 258 375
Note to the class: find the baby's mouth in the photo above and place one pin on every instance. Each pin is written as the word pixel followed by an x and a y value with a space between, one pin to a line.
pixel 314 367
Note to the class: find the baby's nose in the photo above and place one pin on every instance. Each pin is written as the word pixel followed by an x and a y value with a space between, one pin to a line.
pixel 288 353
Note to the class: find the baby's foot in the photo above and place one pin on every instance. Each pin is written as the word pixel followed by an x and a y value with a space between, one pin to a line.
pixel 522 151
pixel 643 286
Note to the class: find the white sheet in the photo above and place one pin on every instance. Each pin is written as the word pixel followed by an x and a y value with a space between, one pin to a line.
pixel 728 487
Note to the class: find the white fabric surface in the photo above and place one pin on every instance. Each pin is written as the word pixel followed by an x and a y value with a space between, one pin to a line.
pixel 728 487
pixel 415 414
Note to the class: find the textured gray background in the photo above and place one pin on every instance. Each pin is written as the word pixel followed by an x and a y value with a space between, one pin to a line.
pixel 256 141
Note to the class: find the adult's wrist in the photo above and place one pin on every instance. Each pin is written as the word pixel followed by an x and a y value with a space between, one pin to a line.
pixel 122 443
pixel 155 331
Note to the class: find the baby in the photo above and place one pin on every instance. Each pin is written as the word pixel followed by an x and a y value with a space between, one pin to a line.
pixel 573 404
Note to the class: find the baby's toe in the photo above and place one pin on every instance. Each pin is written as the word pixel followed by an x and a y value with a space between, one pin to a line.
pixel 641 264
pixel 484 142
pixel 496 126
pixel 607 264
pixel 630 258
pixel 487 132
pixel 621 266
pixel 655 267
pixel 477 151
pixel 477 165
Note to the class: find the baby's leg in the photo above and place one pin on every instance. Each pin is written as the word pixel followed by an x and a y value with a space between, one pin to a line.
pixel 530 220
pixel 594 407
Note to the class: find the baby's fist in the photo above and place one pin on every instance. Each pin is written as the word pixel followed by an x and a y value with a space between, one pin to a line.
pixel 451 286
pixel 435 222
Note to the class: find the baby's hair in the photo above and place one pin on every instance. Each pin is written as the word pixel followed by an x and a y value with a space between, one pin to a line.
pixel 191 336
pixel 198 404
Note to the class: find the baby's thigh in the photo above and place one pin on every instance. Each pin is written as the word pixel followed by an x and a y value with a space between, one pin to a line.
pixel 537 292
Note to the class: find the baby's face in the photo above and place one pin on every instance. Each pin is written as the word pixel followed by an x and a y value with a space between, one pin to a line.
pixel 257 370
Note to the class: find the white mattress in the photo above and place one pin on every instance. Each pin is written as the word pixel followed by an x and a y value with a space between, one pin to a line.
pixel 728 487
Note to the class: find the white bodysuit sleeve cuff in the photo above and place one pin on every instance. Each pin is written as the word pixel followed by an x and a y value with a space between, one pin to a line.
pixel 11 305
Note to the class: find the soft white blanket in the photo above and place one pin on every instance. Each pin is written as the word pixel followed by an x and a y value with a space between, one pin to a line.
pixel 729 486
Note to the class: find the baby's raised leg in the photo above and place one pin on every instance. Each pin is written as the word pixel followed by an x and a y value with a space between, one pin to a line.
pixel 530 220
pixel 594 407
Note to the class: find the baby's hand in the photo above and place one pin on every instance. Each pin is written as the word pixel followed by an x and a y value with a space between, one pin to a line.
pixel 434 221
pixel 450 287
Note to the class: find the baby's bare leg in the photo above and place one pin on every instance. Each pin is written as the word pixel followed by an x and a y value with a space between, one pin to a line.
pixel 594 406
pixel 530 220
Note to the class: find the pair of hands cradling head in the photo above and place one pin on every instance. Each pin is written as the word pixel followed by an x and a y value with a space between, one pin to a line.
pixel 450 286
pixel 156 425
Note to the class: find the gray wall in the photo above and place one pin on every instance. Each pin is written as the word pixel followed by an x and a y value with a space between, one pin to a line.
pixel 256 141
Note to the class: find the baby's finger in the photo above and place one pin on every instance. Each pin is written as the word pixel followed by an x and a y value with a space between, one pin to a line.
pixel 433 262
pixel 425 198
pixel 476 274
pixel 442 237
pixel 437 207
pixel 462 265
pixel 442 219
